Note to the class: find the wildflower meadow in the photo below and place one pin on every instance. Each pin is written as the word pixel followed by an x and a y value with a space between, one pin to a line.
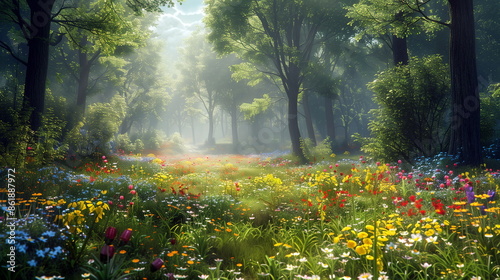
pixel 249 217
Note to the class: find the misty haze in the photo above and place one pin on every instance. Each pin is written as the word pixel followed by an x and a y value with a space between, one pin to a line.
pixel 249 139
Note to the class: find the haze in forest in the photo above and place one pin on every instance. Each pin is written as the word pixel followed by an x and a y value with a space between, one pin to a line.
pixel 306 78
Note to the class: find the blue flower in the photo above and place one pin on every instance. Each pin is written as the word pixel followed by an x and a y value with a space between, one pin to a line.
pixel 57 250
pixel 22 248
pixel 49 233
pixel 32 263
pixel 40 253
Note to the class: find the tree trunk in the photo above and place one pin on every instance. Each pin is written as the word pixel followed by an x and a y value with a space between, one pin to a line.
pixel 38 60
pixel 293 126
pixel 330 125
pixel 234 129
pixel 83 82
pixel 193 134
pixel 465 127
pixel 399 50
pixel 309 122
pixel 399 47
pixel 211 139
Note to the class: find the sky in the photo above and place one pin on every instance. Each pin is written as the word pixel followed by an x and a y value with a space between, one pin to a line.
pixel 177 23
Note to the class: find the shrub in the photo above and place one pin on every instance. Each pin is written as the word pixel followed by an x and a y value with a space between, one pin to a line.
pixel 411 119
pixel 318 152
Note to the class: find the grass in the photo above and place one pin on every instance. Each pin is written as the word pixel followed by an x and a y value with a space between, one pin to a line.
pixel 235 217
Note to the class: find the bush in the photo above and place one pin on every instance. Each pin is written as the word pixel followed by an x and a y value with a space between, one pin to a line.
pixel 98 128
pixel 411 120
pixel 318 152
pixel 20 145
pixel 490 114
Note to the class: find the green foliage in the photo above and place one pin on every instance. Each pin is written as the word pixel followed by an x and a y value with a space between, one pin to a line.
pixel 318 152
pixel 413 100
pixel 400 18
pixel 176 143
pixel 98 128
pixel 259 105
pixel 15 139
pixel 20 145
pixel 490 114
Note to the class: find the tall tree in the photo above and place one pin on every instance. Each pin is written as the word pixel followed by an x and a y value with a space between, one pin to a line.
pixel 33 19
pixel 465 130
pixel 277 35
pixel 199 76
pixel 122 31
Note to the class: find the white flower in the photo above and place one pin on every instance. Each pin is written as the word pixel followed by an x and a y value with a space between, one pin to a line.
pixel 324 265
pixel 326 250
pixel 365 275
pixel 416 237
pixel 431 239
pixel 346 255
pixel 290 267
pixel 426 265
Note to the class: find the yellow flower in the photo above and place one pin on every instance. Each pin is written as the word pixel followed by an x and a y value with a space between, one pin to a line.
pixel 429 232
pixel 362 235
pixel 351 244
pixel 370 227
pixel 361 250
pixel 367 241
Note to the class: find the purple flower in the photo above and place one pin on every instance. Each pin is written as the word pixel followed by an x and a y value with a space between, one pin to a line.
pixel 470 196
pixel 482 209
pixel 156 265
pixel 110 235
pixel 492 194
pixel 125 236
pixel 107 252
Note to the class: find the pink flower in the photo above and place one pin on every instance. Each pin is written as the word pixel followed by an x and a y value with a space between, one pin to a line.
pixel 133 192
pixel 103 157
pixel 122 197
pixel 130 187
